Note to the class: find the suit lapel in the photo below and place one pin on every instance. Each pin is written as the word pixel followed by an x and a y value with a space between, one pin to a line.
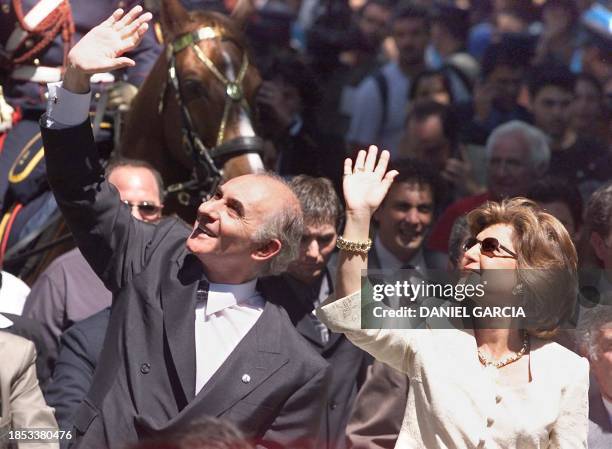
pixel 307 329
pixel 178 297
pixel 257 357
pixel 373 260
pixel 597 411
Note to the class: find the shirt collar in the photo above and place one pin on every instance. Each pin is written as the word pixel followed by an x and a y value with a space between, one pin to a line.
pixel 222 296
pixel 389 261
pixel 5 322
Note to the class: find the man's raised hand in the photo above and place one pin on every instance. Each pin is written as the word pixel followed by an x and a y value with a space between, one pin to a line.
pixel 366 182
pixel 101 49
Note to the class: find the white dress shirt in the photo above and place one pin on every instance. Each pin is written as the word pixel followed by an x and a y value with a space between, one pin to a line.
pixel 13 294
pixel 221 322
pixel 230 311
pixel 65 108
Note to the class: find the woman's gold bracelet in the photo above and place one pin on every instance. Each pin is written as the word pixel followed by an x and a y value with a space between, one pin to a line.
pixel 354 247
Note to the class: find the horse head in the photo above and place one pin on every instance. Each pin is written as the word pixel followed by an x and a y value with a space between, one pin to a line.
pixel 205 88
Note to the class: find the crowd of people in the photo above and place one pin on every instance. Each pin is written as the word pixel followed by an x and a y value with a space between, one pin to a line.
pixel 246 328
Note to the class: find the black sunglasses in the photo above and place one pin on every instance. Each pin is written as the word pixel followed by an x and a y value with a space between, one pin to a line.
pixel 487 246
pixel 145 207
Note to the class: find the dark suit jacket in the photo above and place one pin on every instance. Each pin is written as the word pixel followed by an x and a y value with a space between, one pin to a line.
pixel 377 426
pixel 600 425
pixel 145 381
pixel 80 348
pixel 348 362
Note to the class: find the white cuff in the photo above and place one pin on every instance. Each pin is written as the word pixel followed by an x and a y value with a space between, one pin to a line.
pixel 65 108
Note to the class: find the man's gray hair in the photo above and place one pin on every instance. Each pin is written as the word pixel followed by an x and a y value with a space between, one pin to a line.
pixel 590 323
pixel 287 225
pixel 598 213
pixel 536 140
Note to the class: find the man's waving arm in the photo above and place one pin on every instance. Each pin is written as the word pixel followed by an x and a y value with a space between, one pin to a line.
pixel 103 228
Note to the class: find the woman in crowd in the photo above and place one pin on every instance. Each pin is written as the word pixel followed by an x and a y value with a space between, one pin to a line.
pixel 478 386
pixel 431 85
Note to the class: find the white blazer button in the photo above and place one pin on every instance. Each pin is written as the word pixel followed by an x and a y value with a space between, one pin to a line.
pixel 246 378
pixel 498 399
pixel 490 422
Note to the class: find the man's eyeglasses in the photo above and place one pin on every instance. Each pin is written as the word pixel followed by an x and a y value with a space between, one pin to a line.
pixel 487 246
pixel 145 208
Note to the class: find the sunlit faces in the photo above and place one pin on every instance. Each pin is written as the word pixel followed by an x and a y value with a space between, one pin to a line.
pixel 587 106
pixel 226 226
pixel 480 264
pixel 602 245
pixel 373 23
pixel 505 82
pixel 316 248
pixel 404 218
pixel 602 365
pixel 137 186
pixel 427 142
pixel 510 171
pixel 411 37
pixel 433 87
pixel 551 110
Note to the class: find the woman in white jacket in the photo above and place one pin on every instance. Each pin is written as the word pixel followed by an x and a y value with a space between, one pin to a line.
pixel 494 385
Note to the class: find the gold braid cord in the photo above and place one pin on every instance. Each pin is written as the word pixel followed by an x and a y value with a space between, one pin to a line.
pixel 59 19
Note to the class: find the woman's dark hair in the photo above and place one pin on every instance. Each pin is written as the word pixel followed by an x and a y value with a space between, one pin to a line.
pixel 430 73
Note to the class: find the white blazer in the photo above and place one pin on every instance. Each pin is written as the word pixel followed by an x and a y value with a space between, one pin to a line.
pixel 453 402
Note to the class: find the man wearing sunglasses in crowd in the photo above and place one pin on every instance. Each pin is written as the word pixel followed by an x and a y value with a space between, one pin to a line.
pixel 68 290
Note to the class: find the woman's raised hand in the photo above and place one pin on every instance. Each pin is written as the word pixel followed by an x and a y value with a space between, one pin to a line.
pixel 101 49
pixel 366 182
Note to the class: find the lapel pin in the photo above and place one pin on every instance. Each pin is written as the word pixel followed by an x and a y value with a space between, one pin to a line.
pixel 246 378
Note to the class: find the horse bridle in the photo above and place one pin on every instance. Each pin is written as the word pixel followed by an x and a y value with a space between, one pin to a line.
pixel 206 176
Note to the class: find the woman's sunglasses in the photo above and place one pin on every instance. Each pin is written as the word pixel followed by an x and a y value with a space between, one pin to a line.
pixel 487 246
pixel 145 208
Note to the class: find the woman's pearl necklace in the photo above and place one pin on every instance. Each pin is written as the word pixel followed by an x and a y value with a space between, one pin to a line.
pixel 509 358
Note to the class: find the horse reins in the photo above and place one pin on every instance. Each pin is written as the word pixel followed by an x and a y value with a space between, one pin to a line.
pixel 206 176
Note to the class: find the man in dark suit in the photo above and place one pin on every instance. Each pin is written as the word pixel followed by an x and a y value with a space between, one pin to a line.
pixel 80 349
pixel 189 334
pixel 595 332
pixel 68 290
pixel 309 280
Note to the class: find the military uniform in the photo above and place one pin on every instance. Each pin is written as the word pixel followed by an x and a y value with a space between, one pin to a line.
pixel 24 78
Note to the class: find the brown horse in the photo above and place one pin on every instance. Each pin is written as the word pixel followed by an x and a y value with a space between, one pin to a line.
pixel 194 108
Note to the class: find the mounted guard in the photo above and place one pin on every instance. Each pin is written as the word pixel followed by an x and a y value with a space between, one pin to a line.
pixel 35 37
